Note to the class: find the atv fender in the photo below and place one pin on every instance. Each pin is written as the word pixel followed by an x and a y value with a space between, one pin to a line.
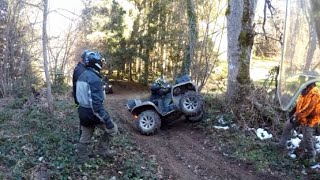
pixel 147 105
pixel 183 87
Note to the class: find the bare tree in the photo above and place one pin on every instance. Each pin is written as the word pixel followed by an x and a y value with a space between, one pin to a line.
pixel 45 56
pixel 60 50
pixel 15 42
pixel 208 52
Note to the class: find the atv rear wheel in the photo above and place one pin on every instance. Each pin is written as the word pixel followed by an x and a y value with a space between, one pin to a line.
pixel 148 122
pixel 191 103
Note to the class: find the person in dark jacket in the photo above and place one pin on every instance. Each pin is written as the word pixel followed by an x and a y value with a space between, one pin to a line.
pixel 158 90
pixel 155 89
pixel 78 70
pixel 92 114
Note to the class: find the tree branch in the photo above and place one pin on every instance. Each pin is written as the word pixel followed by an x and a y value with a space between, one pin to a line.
pixel 34 5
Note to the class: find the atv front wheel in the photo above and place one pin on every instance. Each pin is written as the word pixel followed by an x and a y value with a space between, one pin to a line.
pixel 191 103
pixel 148 122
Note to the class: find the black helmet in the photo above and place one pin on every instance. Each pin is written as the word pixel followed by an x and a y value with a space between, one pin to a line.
pixel 94 60
pixel 83 55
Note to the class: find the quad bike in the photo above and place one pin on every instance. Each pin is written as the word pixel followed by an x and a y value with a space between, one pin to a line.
pixel 182 99
pixel 107 86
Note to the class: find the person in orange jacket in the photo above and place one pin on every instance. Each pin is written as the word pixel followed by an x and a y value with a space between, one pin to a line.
pixel 307 115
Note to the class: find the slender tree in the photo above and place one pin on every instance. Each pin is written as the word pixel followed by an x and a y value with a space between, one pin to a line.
pixel 45 56
pixel 315 14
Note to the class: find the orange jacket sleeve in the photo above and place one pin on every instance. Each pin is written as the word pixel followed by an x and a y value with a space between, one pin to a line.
pixel 306 106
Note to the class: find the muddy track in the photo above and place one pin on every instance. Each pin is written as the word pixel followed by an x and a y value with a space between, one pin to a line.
pixel 182 151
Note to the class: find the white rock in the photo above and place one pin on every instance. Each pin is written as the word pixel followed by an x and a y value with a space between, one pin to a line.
pixel 293 156
pixel 40 158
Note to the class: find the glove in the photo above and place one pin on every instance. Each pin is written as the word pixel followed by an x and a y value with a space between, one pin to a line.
pixel 111 127
pixel 113 131
pixel 107 120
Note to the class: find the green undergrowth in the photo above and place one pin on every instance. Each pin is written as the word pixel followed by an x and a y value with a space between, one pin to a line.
pixel 244 146
pixel 32 141
pixel 261 154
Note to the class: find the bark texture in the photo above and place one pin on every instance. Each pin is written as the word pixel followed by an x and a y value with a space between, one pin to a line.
pixel 240 15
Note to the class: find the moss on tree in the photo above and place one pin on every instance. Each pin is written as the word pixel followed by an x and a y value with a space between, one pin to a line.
pixel 244 74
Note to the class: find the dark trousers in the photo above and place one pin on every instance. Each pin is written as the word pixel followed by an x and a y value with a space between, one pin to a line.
pixel 307 141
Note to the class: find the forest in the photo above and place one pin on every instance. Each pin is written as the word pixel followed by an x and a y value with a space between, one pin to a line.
pixel 246 58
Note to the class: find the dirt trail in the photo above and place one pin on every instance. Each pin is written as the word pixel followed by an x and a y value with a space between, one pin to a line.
pixel 181 151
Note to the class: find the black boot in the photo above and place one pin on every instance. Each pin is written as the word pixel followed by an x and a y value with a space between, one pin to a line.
pixel 103 147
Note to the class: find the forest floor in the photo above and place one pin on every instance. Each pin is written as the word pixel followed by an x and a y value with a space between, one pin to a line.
pixel 33 145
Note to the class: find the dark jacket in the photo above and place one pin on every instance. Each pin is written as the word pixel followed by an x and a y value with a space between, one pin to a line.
pixel 157 91
pixel 155 88
pixel 90 96
pixel 78 70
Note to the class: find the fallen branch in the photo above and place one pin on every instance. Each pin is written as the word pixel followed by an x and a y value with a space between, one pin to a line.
pixel 266 111
pixel 5 137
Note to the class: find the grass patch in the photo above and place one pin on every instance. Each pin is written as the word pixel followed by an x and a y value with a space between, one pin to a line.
pixel 6 115
pixel 17 103
pixel 34 140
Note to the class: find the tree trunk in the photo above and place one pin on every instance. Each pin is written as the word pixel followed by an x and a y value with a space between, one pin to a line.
pixel 240 15
pixel 45 56
pixel 315 8
pixel 193 36
pixel 146 67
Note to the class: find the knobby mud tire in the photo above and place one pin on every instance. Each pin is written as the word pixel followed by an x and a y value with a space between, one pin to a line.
pixel 148 122
pixel 191 103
